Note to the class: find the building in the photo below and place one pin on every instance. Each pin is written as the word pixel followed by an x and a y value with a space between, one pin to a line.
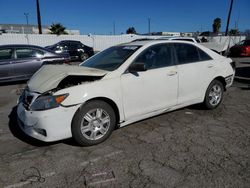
pixel 171 34
pixel 29 29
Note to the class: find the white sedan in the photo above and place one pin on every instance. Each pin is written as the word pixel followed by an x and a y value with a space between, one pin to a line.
pixel 118 86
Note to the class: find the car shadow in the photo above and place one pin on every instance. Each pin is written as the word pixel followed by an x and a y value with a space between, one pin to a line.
pixel 19 134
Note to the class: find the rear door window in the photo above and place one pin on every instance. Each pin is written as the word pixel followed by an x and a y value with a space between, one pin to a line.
pixel 22 53
pixel 186 53
pixel 203 55
pixel 5 54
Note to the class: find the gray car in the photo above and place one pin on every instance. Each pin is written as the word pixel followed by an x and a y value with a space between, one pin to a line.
pixel 20 62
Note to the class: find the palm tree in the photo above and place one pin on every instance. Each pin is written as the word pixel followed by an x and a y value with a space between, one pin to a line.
pixel 216 25
pixel 58 29
pixel 131 30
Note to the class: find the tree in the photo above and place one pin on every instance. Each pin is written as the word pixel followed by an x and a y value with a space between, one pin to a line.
pixel 131 30
pixel 216 25
pixel 58 29
pixel 234 32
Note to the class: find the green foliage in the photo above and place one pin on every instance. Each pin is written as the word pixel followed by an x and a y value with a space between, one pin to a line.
pixel 234 32
pixel 131 30
pixel 57 29
pixel 216 25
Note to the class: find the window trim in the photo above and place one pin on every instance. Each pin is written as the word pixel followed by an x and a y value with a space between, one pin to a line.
pixel 35 49
pixel 197 49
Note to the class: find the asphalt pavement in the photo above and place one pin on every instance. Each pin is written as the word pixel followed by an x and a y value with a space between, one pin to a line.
pixel 190 147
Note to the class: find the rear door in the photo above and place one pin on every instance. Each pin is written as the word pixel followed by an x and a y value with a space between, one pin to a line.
pixel 6 57
pixel 74 49
pixel 196 70
pixel 27 61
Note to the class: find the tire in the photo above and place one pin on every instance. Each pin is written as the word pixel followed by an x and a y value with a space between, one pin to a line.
pixel 93 123
pixel 83 56
pixel 214 95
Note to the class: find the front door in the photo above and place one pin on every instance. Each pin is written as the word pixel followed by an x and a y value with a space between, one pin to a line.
pixel 6 57
pixel 154 89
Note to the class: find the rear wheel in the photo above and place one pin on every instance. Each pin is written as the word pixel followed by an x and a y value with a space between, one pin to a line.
pixel 84 56
pixel 93 123
pixel 214 95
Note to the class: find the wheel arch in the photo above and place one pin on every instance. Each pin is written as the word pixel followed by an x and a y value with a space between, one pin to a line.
pixel 219 78
pixel 222 80
pixel 108 101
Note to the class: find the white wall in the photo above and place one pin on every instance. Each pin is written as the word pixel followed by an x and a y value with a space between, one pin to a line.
pixel 99 42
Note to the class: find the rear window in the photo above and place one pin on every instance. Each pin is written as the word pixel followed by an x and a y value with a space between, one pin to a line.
pixel 189 40
pixel 5 54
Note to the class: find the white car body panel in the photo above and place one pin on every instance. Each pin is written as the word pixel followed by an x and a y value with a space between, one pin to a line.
pixel 142 94
pixel 136 96
pixel 191 88
pixel 49 76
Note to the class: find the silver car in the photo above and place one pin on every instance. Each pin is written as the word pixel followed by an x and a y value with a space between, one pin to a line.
pixel 20 62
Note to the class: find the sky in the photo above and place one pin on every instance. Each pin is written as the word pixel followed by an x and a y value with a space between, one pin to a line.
pixel 100 16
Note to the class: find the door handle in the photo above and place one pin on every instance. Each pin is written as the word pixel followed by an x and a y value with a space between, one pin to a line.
pixel 172 73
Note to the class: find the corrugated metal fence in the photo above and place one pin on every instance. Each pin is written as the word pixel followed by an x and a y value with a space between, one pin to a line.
pixel 98 42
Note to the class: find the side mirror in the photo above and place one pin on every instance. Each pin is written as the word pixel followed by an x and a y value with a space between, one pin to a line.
pixel 137 67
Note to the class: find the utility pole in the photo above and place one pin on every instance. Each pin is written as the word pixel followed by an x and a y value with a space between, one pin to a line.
pixel 114 28
pixel 27 18
pixel 27 22
pixel 38 17
pixel 149 20
pixel 228 17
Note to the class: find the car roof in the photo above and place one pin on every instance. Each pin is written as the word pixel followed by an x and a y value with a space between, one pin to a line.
pixel 69 41
pixel 151 42
pixel 20 45
pixel 182 38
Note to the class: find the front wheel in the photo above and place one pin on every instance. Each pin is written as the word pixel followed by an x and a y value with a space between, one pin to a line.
pixel 214 95
pixel 93 123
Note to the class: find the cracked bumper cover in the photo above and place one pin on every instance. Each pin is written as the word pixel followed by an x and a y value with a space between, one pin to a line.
pixel 229 80
pixel 48 125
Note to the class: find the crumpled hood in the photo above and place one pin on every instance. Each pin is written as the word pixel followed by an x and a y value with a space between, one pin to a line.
pixel 49 76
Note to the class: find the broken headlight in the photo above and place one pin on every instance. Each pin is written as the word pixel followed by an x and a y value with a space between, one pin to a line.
pixel 46 102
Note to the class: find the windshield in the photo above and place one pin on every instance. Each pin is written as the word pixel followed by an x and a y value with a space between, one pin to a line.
pixel 111 58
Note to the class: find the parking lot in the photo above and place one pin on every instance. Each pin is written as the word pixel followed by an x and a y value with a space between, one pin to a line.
pixel 191 147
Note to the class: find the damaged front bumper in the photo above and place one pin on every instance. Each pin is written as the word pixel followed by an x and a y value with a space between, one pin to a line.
pixel 48 125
